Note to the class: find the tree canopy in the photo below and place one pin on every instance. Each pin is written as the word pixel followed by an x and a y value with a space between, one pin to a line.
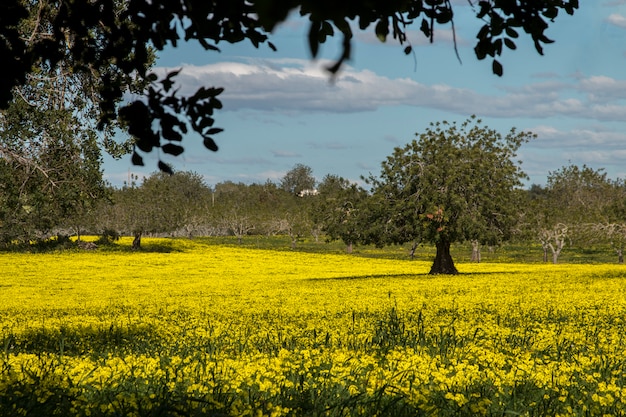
pixel 111 40
pixel 451 184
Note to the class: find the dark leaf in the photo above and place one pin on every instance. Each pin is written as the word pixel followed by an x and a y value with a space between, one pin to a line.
pixel 485 7
pixel 214 131
pixel 172 149
pixel 425 28
pixel 512 33
pixel 313 38
pixel 551 13
pixel 272 46
pixel 497 46
pixel 208 46
pixel 497 68
pixel 509 43
pixel 382 30
pixel 408 50
pixel 483 32
pixel 327 28
pixel 165 168
pixel 210 144
pixel 136 159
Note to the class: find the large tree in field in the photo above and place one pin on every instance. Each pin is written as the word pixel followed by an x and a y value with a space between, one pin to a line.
pixel 451 184
pixel 111 39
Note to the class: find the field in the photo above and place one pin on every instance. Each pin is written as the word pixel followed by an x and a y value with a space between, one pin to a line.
pixel 193 328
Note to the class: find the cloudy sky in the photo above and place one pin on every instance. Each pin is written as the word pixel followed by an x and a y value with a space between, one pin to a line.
pixel 281 108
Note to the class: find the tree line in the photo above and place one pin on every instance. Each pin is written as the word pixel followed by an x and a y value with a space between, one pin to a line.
pixel 69 66
pixel 452 183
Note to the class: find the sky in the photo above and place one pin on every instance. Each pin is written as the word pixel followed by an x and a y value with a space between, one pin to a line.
pixel 281 108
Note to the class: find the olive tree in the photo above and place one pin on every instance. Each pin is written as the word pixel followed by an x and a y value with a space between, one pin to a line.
pixel 451 184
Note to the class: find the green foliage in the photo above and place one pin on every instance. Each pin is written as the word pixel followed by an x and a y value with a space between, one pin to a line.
pixel 298 179
pixel 451 184
pixel 111 40
pixel 163 204
pixel 339 210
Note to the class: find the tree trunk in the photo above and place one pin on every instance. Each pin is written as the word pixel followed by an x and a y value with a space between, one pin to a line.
pixel 545 253
pixel 137 241
pixel 620 256
pixel 443 263
pixel 349 247
pixel 413 249
pixel 475 251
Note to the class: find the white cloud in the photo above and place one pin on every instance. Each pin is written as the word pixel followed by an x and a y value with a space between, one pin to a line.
pixel 617 20
pixel 285 154
pixel 291 86
pixel 589 138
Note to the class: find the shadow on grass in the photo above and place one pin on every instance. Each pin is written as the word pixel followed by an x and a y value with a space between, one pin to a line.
pixel 84 340
pixel 424 275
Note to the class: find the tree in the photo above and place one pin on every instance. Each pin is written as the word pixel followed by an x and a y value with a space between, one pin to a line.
pixel 161 204
pixel 54 168
pixel 111 40
pixel 574 203
pixel 298 180
pixel 236 208
pixel 580 194
pixel 338 210
pixel 451 184
pixel 48 137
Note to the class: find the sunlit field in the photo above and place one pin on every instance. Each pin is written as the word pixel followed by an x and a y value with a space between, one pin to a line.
pixel 198 329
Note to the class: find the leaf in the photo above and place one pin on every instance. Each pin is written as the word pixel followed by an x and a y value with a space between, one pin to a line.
pixel 511 32
pixel 509 43
pixel 136 159
pixel 313 38
pixel 272 46
pixel 165 167
pixel 497 68
pixel 382 30
pixel 172 149
pixel 408 50
pixel 168 82
pixel 214 131
pixel 210 144
pixel 425 28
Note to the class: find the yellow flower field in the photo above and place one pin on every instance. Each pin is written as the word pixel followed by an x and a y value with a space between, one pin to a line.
pixel 222 331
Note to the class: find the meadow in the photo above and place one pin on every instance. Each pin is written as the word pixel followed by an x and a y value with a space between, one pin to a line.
pixel 194 328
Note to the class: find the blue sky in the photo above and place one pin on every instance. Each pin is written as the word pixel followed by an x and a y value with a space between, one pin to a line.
pixel 281 108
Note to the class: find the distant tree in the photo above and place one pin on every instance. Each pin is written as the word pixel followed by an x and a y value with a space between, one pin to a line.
pixel 612 227
pixel 236 208
pixel 574 203
pixel 554 238
pixel 298 179
pixel 174 201
pixel 338 210
pixel 161 204
pixel 111 40
pixel 451 184
pixel 579 194
pixel 615 233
